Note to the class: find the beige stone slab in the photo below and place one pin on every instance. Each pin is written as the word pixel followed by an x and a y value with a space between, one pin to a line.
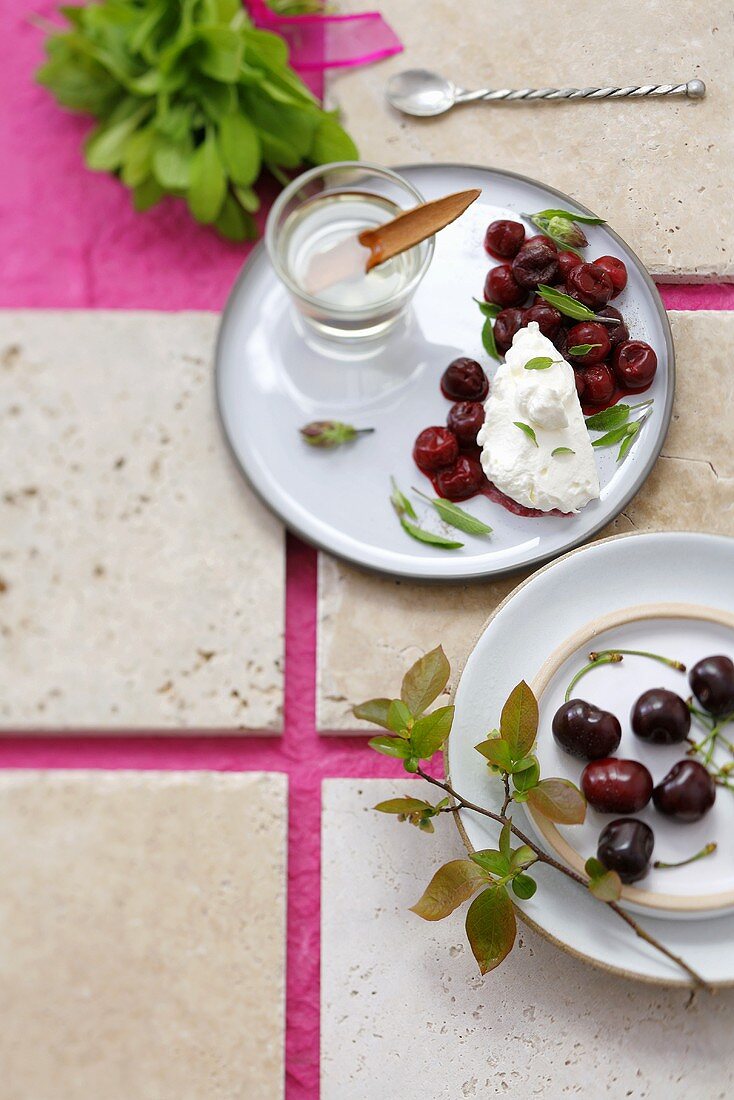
pixel 405 1013
pixel 371 628
pixel 141 582
pixel 659 171
pixel 143 935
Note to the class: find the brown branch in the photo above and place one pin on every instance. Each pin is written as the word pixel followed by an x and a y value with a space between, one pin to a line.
pixel 543 857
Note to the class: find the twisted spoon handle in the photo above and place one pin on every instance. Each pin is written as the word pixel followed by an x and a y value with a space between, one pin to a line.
pixel 694 89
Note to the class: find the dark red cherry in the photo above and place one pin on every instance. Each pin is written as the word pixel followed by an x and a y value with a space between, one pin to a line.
pixel 464 380
pixel 560 341
pixel 634 364
pixel 535 263
pixel 599 383
pixel 546 240
pixel 501 287
pixel 616 786
pixel 503 238
pixel 616 271
pixel 584 730
pixel 465 419
pixel 435 448
pixel 712 682
pixel 590 285
pixel 660 717
pixel 687 792
pixel 547 317
pixel 507 323
pixel 580 384
pixel 625 846
pixel 588 333
pixel 567 261
pixel 462 480
pixel 617 333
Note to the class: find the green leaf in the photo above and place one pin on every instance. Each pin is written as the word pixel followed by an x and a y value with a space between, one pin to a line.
pixel 400 502
pixel 172 162
pixel 540 362
pixel 497 752
pixel 455 516
pixel 491 927
pixel 452 884
pixel 105 147
pixel 558 800
pixel 584 219
pixel 430 732
pixel 594 867
pixel 208 183
pixel 331 142
pixel 428 537
pixel 147 194
pixel 608 418
pixel 489 309
pixel 505 840
pixel 493 861
pixel 523 857
pixel 138 155
pixel 561 451
pixel 220 53
pixel 519 721
pixel 565 304
pixel 374 711
pixel 488 340
pixel 604 885
pixel 528 778
pixel 403 806
pixel 398 716
pixel 582 349
pixel 248 199
pixel 239 147
pixel 527 430
pixel 425 681
pixel 390 746
pixel 524 886
pixel 626 444
pixel 615 435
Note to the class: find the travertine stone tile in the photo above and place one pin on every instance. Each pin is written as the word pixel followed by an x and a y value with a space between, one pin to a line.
pixel 406 1014
pixel 372 628
pixel 143 935
pixel 141 582
pixel 659 171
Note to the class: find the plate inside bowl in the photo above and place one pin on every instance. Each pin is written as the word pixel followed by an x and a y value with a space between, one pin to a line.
pixel 273 377
pixel 686 633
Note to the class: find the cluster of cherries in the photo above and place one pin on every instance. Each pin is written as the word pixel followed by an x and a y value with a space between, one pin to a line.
pixel 449 455
pixel 613 365
pixel 615 786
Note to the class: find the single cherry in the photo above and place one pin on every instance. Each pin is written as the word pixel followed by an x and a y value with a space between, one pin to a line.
pixel 616 271
pixel 535 263
pixel 599 383
pixel 712 682
pixel 567 261
pixel 504 238
pixel 462 480
pixel 506 324
pixel 625 846
pixel 615 786
pixel 660 717
pixel 464 380
pixel 686 793
pixel 590 284
pixel 617 333
pixel 592 333
pixel 584 730
pixel 634 364
pixel 547 317
pixel 465 419
pixel 435 448
pixel 546 240
pixel 501 287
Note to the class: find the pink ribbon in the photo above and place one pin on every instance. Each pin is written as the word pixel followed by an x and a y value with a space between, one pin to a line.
pixel 319 42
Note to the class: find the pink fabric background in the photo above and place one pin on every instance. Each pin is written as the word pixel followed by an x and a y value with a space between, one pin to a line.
pixel 69 239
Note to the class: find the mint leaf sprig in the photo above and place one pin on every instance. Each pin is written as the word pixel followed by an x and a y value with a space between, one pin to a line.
pixel 415 734
pixel 407 515
pixel 563 228
pixel 570 307
pixel 618 428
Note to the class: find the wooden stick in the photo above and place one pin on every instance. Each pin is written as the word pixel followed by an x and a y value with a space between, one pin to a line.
pixel 414 226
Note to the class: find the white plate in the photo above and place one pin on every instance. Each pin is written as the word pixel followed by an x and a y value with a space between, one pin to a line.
pixel 535 619
pixel 701 889
pixel 272 378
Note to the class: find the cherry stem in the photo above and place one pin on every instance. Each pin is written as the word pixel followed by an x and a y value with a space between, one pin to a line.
pixel 707 850
pixel 614 657
pixel 543 857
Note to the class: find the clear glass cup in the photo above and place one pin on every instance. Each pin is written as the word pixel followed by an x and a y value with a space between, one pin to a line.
pixel 321 210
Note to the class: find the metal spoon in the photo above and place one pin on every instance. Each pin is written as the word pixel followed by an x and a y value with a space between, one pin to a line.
pixel 423 93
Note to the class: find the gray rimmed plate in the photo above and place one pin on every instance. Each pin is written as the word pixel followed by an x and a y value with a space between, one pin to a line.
pixel 272 377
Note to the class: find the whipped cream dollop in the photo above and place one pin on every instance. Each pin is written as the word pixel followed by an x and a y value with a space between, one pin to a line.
pixel 546 401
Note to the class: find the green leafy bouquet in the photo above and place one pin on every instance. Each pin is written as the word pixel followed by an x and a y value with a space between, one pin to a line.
pixel 190 100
